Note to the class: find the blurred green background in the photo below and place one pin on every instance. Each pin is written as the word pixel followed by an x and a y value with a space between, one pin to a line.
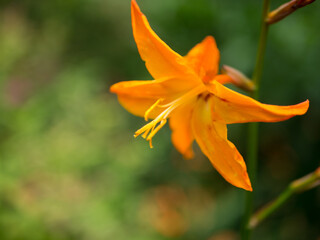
pixel 69 165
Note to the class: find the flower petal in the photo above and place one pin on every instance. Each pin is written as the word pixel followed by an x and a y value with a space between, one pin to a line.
pixel 138 96
pixel 204 59
pixel 211 136
pixel 223 79
pixel 180 124
pixel 233 107
pixel 161 60
pixel 155 89
pixel 138 106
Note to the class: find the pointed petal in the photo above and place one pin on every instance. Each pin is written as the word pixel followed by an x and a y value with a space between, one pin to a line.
pixel 223 79
pixel 138 106
pixel 161 60
pixel 159 88
pixel 233 107
pixel 138 96
pixel 180 124
pixel 212 139
pixel 204 58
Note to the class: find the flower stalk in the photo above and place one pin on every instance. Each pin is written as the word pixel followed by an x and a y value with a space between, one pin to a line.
pixel 300 185
pixel 252 144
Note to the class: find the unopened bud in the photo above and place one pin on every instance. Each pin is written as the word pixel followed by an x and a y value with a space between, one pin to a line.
pixel 239 79
pixel 286 9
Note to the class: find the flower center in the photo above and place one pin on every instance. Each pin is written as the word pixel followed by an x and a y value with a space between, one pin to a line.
pixel 150 129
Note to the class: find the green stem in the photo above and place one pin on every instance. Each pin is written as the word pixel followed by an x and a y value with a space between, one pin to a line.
pixel 252 149
pixel 300 185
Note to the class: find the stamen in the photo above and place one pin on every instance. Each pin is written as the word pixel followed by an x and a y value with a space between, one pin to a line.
pixel 151 128
pixel 146 114
pixel 146 133
pixel 154 131
pixel 171 103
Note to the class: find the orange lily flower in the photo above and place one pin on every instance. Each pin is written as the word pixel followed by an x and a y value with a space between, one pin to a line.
pixel 189 91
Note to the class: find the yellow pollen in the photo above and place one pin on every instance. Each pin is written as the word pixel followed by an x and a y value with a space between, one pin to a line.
pixel 150 129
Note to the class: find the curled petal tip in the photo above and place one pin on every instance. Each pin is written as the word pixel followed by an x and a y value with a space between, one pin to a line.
pixel 306 103
pixel 188 155
pixel 302 108
pixel 112 89
pixel 135 9
pixel 249 188
pixel 244 184
pixel 134 3
pixel 117 87
pixel 210 39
